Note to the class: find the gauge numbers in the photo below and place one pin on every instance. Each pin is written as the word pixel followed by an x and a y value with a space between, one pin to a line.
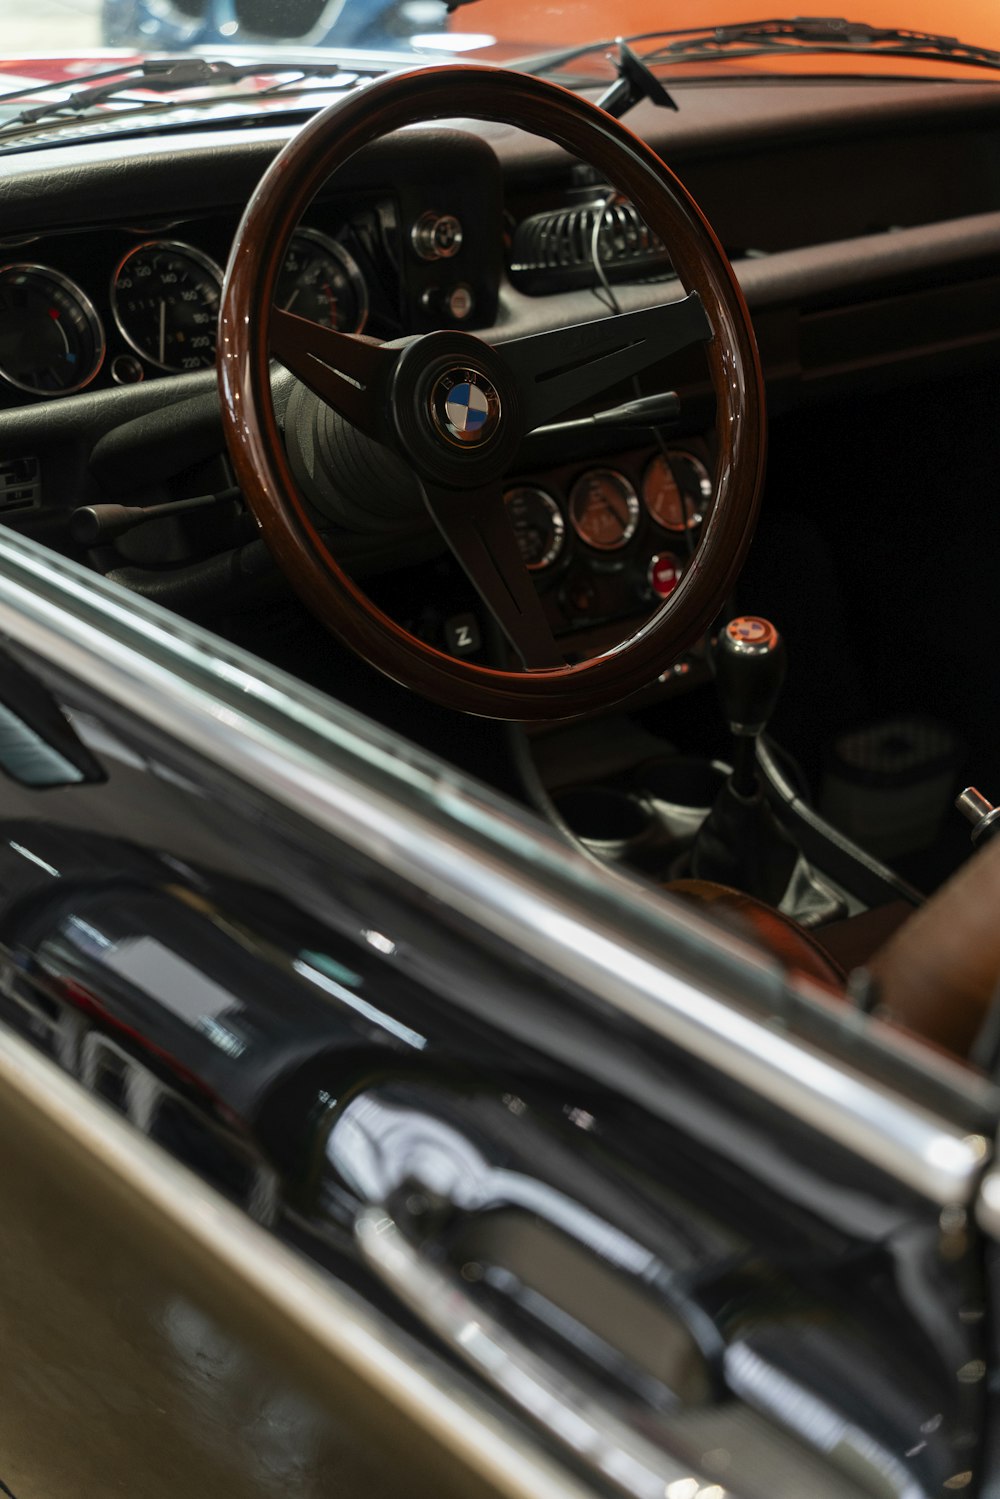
pixel 604 509
pixel 51 339
pixel 538 526
pixel 165 300
pixel 321 281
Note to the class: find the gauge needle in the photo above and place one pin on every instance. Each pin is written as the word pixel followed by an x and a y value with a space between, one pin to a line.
pixel 62 330
pixel 163 330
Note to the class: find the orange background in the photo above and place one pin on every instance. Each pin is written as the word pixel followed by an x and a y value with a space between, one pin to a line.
pixel 538 24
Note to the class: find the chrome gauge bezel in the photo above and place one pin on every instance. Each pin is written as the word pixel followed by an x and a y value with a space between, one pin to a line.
pixel 632 502
pixel 175 246
pixel 350 265
pixel 91 315
pixel 704 484
pixel 558 524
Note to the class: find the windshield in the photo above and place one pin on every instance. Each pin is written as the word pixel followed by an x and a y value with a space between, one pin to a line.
pixel 498 30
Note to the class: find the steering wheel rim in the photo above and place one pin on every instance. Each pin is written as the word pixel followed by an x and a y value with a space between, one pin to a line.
pixel 249 324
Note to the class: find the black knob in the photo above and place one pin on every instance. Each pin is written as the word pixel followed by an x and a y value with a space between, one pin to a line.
pixel 749 672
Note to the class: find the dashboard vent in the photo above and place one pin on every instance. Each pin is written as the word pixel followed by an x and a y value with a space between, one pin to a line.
pixel 553 251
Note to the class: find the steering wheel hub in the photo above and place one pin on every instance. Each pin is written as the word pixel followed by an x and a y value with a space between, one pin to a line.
pixel 456 409
pixel 465 407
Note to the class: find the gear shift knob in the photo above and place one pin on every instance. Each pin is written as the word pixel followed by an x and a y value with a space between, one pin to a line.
pixel 749 672
pixel 740 842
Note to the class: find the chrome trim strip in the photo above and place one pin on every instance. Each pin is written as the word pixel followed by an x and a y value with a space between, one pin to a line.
pixel 521 885
pixel 342 1327
pixel 617 1454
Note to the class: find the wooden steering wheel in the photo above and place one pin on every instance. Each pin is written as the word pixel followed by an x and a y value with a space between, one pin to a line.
pixel 403 395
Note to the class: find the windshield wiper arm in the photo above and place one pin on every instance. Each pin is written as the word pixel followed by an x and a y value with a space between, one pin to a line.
pixel 800 33
pixel 157 76
pixel 634 82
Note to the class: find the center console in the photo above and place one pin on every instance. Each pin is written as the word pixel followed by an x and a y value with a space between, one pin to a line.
pixel 740 819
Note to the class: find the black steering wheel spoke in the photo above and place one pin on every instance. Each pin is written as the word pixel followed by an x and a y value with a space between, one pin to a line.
pixel 566 366
pixel 349 372
pixel 477 528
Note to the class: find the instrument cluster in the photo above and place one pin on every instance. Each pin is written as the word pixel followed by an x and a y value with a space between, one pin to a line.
pixel 606 539
pixel 117 307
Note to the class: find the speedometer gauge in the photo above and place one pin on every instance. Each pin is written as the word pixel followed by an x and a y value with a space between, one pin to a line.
pixel 51 339
pixel 322 282
pixel 165 298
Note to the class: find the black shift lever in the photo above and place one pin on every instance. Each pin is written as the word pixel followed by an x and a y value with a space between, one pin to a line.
pixel 740 842
pixel 749 673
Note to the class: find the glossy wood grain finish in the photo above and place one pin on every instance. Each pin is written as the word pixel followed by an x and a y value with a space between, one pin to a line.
pixel 327 143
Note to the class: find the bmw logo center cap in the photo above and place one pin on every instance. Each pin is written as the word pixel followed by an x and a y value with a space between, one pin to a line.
pixel 465 407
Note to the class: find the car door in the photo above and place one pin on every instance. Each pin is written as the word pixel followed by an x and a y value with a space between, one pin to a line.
pixel 359 1132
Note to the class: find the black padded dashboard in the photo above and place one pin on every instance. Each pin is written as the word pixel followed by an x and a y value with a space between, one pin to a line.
pixel 881 200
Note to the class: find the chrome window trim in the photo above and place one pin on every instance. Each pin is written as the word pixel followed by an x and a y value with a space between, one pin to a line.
pixel 429 826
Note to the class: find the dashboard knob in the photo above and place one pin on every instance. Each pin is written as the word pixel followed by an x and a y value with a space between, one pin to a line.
pixel 985 818
pixel 455 303
pixel 436 236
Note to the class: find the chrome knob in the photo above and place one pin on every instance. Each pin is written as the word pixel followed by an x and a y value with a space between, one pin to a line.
pixel 985 818
pixel 436 236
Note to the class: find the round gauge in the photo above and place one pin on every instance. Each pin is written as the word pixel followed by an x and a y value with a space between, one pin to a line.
pixel 604 509
pixel 321 281
pixel 51 339
pixel 538 526
pixel 676 489
pixel 165 298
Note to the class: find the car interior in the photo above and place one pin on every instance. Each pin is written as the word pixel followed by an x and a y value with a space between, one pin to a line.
pixel 776 731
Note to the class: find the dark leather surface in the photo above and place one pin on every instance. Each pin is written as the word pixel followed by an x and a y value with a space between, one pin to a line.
pixel 938 974
pixel 853 941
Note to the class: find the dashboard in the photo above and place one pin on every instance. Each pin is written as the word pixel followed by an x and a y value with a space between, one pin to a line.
pixel 863 220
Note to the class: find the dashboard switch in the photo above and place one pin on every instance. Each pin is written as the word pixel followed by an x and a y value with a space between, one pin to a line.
pixel 459 302
pixel 454 303
pixel 663 574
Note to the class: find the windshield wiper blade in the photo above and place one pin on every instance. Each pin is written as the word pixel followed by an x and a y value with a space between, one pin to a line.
pixel 157 76
pixel 796 34
pixel 829 34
